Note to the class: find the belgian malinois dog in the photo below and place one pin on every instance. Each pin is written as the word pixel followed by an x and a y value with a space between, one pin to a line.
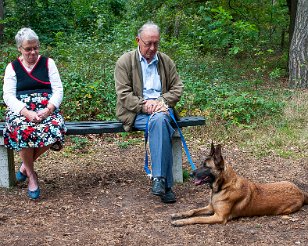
pixel 234 196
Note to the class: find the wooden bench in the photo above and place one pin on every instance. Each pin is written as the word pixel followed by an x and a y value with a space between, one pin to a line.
pixel 7 168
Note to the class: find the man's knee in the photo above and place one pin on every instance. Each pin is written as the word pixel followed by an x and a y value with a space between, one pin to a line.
pixel 160 118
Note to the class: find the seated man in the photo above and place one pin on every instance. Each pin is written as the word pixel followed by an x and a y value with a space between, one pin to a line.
pixel 147 84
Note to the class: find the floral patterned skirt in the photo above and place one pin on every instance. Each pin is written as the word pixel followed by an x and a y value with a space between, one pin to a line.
pixel 20 133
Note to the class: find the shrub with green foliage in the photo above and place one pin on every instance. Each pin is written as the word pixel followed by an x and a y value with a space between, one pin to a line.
pixel 49 17
pixel 216 88
pixel 219 31
pixel 87 74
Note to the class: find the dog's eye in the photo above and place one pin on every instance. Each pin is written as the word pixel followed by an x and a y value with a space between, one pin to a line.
pixel 204 162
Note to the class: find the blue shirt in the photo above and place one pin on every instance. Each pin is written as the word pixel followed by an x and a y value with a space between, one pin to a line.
pixel 151 79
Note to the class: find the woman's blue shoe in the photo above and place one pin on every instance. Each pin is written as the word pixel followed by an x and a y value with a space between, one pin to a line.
pixel 20 177
pixel 34 194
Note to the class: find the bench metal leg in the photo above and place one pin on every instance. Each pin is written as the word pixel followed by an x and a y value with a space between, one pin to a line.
pixel 7 169
pixel 177 158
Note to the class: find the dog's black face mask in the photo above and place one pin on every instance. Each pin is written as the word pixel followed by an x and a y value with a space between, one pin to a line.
pixel 203 175
pixel 210 168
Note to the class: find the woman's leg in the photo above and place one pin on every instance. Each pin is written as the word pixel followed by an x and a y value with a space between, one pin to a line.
pixel 39 151
pixel 36 154
pixel 28 156
pixel 28 164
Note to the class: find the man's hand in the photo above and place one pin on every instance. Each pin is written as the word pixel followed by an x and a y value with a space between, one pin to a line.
pixel 152 106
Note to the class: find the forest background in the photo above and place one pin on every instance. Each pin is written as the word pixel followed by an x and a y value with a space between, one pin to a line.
pixel 231 55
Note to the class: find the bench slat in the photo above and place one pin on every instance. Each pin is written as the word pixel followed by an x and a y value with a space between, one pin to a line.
pixel 99 127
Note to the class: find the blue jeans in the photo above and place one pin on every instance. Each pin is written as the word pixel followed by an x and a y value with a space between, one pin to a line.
pixel 160 143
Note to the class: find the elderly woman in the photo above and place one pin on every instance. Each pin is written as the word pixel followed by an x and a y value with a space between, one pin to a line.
pixel 33 92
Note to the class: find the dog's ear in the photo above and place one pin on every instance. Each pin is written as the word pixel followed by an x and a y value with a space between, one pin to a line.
pixel 218 159
pixel 212 152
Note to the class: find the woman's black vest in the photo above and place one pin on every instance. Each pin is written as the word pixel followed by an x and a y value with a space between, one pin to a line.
pixel 36 81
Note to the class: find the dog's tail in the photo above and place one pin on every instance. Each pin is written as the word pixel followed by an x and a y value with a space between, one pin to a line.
pixel 305 197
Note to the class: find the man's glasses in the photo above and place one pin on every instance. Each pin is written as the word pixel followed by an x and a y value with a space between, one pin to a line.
pixel 29 49
pixel 149 44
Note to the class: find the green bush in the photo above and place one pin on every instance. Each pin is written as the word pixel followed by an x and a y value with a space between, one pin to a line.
pixel 216 88
pixel 86 70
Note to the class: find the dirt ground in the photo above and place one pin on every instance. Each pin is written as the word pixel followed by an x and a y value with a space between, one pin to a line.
pixel 100 195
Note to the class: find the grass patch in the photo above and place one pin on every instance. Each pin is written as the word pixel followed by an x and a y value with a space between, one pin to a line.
pixel 285 135
pixel 127 139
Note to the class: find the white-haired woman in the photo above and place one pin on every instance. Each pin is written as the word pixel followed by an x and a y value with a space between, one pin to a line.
pixel 33 93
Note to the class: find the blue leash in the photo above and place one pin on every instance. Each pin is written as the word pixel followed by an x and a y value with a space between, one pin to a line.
pixel 193 167
pixel 146 158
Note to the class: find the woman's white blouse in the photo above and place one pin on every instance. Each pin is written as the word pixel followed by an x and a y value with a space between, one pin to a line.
pixel 10 82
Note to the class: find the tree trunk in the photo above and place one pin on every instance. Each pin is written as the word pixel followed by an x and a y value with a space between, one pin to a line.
pixel 1 18
pixel 292 5
pixel 298 54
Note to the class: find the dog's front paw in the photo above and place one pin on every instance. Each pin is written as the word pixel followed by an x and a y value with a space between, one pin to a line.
pixel 176 216
pixel 177 223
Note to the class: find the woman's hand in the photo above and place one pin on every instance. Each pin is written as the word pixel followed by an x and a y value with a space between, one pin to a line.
pixel 43 113
pixel 31 115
